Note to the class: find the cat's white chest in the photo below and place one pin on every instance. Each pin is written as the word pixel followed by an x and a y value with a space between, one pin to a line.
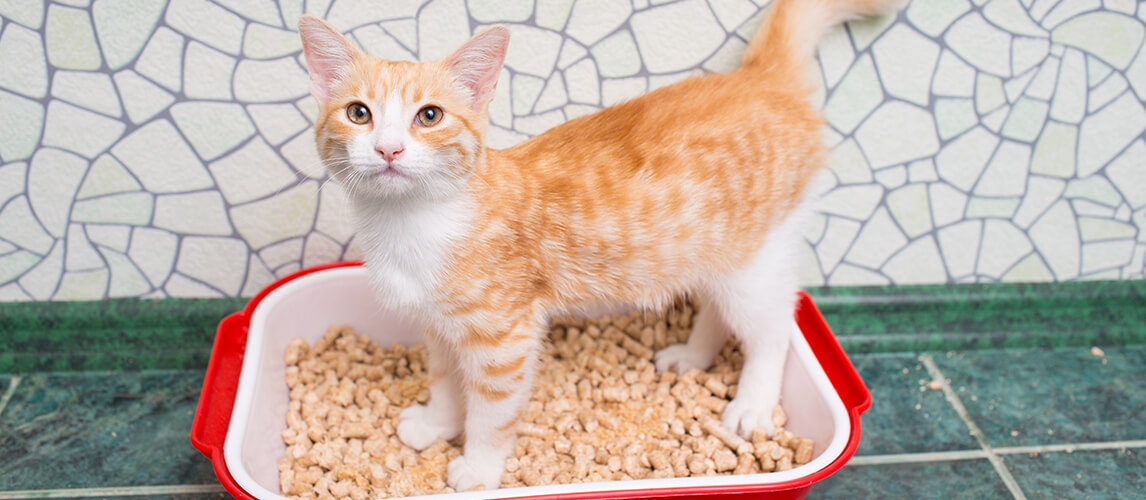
pixel 409 248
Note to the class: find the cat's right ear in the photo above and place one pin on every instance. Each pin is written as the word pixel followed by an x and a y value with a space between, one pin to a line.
pixel 328 55
pixel 476 65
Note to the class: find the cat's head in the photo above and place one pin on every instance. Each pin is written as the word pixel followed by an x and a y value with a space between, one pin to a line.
pixel 397 129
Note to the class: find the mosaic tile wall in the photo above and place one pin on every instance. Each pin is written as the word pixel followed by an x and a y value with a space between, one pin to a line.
pixel 164 148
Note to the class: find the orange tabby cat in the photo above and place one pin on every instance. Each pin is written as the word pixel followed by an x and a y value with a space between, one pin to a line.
pixel 696 188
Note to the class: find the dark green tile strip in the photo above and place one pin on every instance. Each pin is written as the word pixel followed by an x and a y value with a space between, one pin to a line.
pixel 985 316
pixel 114 313
pixel 124 334
pixel 91 430
pixel 127 359
pixel 181 492
pixel 177 333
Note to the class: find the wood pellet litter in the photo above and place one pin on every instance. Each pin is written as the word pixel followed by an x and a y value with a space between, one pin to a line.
pixel 599 411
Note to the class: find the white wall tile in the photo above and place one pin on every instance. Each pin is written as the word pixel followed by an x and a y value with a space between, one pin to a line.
pixel 973 141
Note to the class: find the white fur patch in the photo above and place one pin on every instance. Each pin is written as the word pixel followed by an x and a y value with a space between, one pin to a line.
pixel 392 129
pixel 408 245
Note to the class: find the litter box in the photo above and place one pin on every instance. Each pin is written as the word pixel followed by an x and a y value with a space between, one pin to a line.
pixel 243 404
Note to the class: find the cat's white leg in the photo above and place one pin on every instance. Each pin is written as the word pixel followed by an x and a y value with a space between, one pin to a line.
pixel 498 369
pixel 706 340
pixel 758 303
pixel 442 417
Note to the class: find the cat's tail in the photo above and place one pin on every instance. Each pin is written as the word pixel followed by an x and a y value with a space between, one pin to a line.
pixel 788 35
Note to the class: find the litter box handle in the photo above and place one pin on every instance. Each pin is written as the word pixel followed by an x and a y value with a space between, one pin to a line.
pixel 832 357
pixel 217 399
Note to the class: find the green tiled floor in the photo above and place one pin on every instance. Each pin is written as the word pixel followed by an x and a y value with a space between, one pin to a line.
pixel 903 418
pixel 85 430
pixel 1065 395
pixel 1062 423
pixel 1081 474
pixel 112 434
pixel 1047 419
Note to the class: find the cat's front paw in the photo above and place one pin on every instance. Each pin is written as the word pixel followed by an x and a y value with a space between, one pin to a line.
pixel 747 412
pixel 682 358
pixel 464 474
pixel 418 429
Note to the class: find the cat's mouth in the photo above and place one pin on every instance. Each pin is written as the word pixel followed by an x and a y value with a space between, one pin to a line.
pixel 390 171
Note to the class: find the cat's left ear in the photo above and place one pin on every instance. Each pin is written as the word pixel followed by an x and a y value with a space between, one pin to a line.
pixel 328 55
pixel 476 65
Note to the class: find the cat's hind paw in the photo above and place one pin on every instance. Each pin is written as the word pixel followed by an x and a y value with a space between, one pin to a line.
pixel 745 413
pixel 418 429
pixel 682 358
pixel 464 474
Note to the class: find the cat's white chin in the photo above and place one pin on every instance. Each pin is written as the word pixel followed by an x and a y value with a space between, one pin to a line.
pixel 390 178
pixel 381 182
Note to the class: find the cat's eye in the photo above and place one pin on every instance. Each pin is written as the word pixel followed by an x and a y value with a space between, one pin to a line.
pixel 358 113
pixel 430 116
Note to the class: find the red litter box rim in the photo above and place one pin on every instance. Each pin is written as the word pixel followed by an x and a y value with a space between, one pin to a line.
pixel 220 384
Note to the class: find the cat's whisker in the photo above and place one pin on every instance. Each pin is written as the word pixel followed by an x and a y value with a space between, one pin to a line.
pixel 326 181
pixel 351 181
pixel 302 177
pixel 290 185
pixel 343 205
pixel 356 178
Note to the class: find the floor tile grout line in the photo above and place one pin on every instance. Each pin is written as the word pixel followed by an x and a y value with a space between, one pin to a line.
pixel 953 455
pixel 14 382
pixel 113 491
pixel 908 458
pixel 1070 447
pixel 976 432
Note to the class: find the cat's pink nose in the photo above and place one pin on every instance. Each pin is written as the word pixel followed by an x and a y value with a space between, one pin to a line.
pixel 389 152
